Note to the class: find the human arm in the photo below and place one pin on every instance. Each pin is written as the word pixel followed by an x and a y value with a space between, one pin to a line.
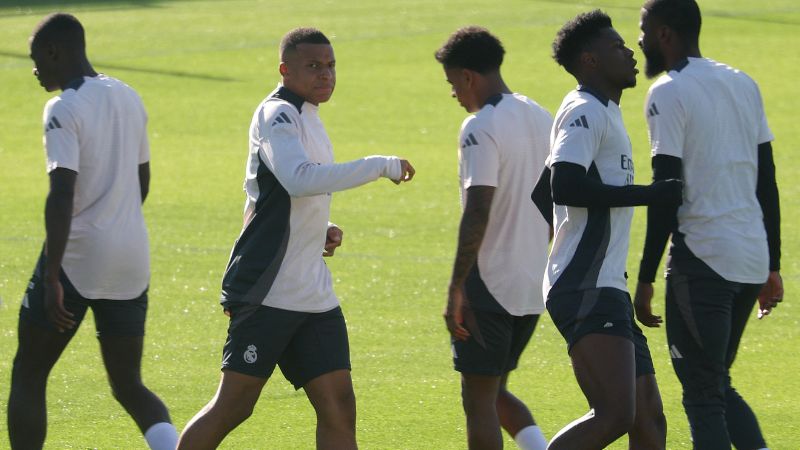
pixel 144 180
pixel 542 196
pixel 282 150
pixel 767 193
pixel 473 225
pixel 572 185
pixel 662 220
pixel 58 218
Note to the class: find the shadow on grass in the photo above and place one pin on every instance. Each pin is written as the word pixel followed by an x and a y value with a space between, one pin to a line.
pixel 102 67
pixel 10 8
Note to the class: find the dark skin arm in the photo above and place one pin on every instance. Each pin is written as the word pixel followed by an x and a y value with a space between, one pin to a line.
pixel 470 236
pixel 767 194
pixel 144 179
pixel 661 222
pixel 58 219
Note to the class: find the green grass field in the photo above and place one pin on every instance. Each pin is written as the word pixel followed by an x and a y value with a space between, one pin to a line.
pixel 203 66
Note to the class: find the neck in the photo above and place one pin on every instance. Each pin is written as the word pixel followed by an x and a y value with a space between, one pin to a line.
pixel 602 87
pixel 671 58
pixel 78 70
pixel 494 85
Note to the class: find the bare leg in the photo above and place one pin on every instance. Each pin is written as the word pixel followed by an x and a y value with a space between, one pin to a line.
pixel 333 399
pixel 479 398
pixel 122 357
pixel 650 426
pixel 605 369
pixel 514 415
pixel 37 352
pixel 233 403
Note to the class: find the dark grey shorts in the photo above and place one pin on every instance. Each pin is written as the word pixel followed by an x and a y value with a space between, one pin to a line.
pixel 304 345
pixel 111 317
pixel 603 311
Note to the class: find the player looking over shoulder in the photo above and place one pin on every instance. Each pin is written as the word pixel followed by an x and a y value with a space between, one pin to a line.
pixel 277 288
pixel 96 253
pixel 495 298
pixel 708 127
pixel 585 283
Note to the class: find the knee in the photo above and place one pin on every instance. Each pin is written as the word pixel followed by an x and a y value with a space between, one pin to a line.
pixel 616 420
pixel 337 407
pixel 127 391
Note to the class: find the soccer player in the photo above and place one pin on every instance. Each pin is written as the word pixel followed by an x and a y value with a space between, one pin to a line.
pixel 502 242
pixel 585 283
pixel 96 252
pixel 277 289
pixel 708 127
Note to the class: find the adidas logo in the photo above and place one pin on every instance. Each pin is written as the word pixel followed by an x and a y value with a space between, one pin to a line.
pixel 674 353
pixel 652 110
pixel 52 124
pixel 470 141
pixel 281 118
pixel 580 122
pixel 608 325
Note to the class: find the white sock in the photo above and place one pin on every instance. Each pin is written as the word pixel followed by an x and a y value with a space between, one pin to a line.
pixel 161 436
pixel 531 438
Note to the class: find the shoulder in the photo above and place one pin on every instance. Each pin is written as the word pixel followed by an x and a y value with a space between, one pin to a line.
pixel 528 104
pixel 61 106
pixel 277 111
pixel 581 109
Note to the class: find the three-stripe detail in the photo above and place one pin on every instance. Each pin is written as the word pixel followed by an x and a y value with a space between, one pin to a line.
pixel 281 118
pixel 580 122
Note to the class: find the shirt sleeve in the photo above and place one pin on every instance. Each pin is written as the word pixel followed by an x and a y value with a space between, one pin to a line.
pixel 60 137
pixel 764 133
pixel 578 132
pixel 282 150
pixel 144 146
pixel 479 156
pixel 666 120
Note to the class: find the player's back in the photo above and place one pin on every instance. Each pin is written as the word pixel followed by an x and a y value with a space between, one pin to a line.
pixel 513 254
pixel 98 126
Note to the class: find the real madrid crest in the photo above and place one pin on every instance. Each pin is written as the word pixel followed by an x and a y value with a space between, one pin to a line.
pixel 250 355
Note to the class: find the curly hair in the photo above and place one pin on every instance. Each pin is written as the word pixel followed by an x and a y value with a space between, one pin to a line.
pixel 576 35
pixel 472 48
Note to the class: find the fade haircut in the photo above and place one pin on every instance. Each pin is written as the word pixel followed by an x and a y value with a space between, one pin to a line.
pixel 60 28
pixel 473 48
pixel 683 16
pixel 577 35
pixel 299 36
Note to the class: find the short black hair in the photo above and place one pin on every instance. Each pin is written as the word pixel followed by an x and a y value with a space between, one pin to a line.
pixel 61 28
pixel 304 35
pixel 472 48
pixel 576 35
pixel 683 16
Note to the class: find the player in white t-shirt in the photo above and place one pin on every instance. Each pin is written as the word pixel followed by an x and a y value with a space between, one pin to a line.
pixel 585 283
pixel 494 298
pixel 96 252
pixel 708 127
pixel 277 289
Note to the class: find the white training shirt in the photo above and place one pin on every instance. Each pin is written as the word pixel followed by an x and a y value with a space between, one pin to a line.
pixel 505 145
pixel 290 175
pixel 712 117
pixel 97 128
pixel 590 246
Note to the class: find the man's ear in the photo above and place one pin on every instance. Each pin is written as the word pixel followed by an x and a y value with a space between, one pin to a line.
pixel 283 69
pixel 469 77
pixel 52 51
pixel 587 59
pixel 664 34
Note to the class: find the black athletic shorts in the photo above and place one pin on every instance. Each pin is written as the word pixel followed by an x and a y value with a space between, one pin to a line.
pixel 111 317
pixel 497 338
pixel 304 345
pixel 603 311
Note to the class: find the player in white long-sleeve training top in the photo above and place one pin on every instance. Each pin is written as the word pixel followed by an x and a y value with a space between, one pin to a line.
pixel 277 288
